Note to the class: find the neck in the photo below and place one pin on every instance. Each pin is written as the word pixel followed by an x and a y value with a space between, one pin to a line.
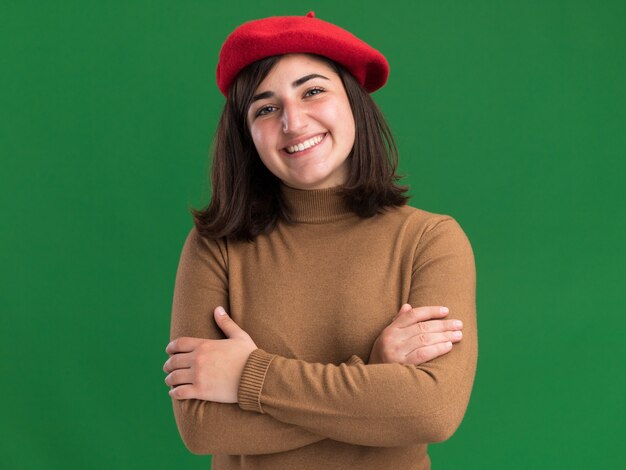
pixel 315 205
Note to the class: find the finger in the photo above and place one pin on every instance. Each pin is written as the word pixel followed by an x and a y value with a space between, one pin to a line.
pixel 227 324
pixel 428 353
pixel 428 339
pixel 434 326
pixel 179 377
pixel 420 314
pixel 405 308
pixel 183 392
pixel 182 344
pixel 177 361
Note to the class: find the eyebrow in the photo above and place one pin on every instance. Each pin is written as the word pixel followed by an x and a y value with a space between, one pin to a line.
pixel 297 83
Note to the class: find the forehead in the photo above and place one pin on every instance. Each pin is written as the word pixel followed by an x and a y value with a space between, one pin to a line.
pixel 292 66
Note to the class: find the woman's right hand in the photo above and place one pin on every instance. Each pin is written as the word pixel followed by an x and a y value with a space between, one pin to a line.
pixel 415 336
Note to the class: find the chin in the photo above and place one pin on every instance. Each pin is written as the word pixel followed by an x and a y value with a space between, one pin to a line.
pixel 315 180
pixel 311 184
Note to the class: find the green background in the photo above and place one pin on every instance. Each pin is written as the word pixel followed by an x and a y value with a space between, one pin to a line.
pixel 510 116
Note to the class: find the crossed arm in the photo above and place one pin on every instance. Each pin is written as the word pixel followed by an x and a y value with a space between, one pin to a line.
pixel 376 405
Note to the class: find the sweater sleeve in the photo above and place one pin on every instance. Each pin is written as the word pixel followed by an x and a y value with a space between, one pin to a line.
pixel 208 427
pixel 383 404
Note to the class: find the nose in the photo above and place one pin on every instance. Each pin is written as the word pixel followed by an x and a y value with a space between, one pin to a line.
pixel 293 118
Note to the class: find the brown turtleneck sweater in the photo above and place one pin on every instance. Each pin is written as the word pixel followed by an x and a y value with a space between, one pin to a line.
pixel 314 296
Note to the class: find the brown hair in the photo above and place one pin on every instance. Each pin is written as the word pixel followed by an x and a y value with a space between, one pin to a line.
pixel 246 199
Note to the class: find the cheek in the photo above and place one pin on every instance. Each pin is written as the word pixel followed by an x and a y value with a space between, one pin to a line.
pixel 343 121
pixel 348 130
pixel 350 126
pixel 259 138
pixel 264 146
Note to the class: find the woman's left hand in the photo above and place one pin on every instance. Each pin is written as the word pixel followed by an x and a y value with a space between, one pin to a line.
pixel 209 369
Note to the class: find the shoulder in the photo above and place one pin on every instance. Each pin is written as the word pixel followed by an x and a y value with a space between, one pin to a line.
pixel 429 232
pixel 421 221
pixel 198 246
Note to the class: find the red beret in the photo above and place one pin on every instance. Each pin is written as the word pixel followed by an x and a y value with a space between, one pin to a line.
pixel 277 35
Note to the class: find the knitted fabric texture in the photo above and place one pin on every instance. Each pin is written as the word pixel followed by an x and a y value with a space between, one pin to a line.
pixel 279 35
pixel 314 296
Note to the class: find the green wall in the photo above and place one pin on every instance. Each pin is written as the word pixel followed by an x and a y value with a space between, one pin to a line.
pixel 509 115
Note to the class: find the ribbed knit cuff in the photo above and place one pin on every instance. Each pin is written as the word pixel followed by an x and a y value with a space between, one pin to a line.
pixel 252 378
pixel 354 360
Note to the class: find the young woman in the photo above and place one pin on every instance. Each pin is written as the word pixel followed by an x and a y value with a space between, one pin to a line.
pixel 310 316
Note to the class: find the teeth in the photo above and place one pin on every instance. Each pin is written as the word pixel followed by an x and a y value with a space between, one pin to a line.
pixel 305 145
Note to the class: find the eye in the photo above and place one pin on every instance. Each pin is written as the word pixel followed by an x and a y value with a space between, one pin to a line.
pixel 314 91
pixel 264 110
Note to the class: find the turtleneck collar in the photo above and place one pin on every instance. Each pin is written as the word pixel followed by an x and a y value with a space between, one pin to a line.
pixel 315 206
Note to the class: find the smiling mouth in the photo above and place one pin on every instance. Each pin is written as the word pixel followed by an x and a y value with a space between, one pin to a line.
pixel 307 144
